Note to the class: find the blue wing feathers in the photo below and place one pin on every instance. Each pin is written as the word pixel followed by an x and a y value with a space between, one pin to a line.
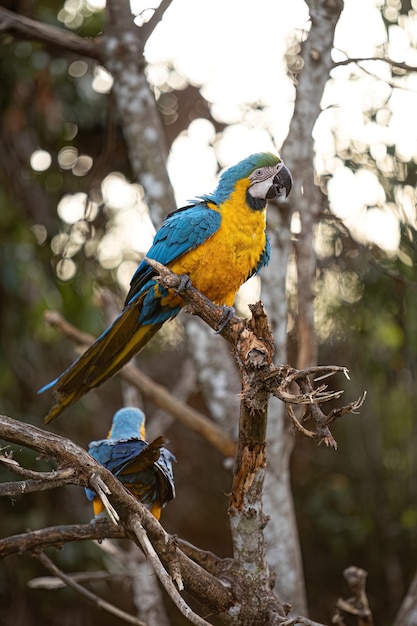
pixel 118 456
pixel 151 311
pixel 115 456
pixel 182 231
pixel 146 306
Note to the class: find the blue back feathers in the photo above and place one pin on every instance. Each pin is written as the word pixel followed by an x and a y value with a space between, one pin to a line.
pixel 132 460
pixel 182 231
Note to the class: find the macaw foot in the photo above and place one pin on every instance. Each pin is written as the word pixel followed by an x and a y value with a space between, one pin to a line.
pixel 185 282
pixel 99 517
pixel 228 313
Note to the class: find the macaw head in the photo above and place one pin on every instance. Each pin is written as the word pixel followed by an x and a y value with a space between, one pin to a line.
pixel 265 175
pixel 128 423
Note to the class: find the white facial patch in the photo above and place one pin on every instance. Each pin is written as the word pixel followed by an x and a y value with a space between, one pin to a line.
pixel 261 180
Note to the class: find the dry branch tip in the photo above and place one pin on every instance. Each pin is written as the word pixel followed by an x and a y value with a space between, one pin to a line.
pixel 102 491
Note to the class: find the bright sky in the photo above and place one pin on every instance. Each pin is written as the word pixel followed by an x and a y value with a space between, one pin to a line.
pixel 234 50
pixel 233 74
pixel 249 75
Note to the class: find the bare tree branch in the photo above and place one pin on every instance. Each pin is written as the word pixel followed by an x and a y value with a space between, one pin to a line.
pixel 298 152
pixel 254 356
pixel 206 588
pixel 58 536
pixel 99 602
pixel 158 394
pixel 241 587
pixel 398 64
pixel 53 36
pixel 67 41
pixel 165 579
pixel 148 28
pixel 53 582
pixel 37 481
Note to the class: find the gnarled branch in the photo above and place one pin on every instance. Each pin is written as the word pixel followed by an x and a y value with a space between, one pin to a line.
pixel 239 587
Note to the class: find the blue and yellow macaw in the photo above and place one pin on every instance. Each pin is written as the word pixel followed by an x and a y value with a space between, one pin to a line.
pixel 219 242
pixel 144 469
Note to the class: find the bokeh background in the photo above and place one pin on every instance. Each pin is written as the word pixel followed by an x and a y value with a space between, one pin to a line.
pixel 73 222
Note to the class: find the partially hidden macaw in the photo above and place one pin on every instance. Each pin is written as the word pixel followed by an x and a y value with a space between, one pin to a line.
pixel 145 469
pixel 219 241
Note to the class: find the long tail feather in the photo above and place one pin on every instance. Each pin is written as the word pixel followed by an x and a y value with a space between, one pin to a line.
pixel 113 349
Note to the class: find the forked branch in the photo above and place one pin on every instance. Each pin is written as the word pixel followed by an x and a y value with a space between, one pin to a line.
pixel 239 587
pixel 252 344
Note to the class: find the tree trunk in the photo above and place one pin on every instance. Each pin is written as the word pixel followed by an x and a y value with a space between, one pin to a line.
pixel 407 615
pixel 136 106
pixel 298 153
pixel 283 548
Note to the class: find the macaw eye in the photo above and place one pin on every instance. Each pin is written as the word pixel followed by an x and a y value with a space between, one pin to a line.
pixel 258 172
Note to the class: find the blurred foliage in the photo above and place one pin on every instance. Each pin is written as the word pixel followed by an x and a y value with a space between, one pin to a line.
pixel 359 505
pixel 47 103
pixel 42 106
pixel 356 506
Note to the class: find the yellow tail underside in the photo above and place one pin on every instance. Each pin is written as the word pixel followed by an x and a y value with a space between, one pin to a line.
pixel 99 508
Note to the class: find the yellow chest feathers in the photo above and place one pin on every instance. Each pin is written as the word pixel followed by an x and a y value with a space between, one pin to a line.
pixel 220 265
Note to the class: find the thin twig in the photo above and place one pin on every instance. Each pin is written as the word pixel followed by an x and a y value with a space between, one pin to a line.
pixel 36 481
pixel 53 582
pixel 57 536
pixel 158 394
pixel 327 370
pixel 298 425
pixel 103 491
pixel 399 64
pixel 26 28
pixel 99 602
pixel 164 577
pixel 316 396
pixel 352 407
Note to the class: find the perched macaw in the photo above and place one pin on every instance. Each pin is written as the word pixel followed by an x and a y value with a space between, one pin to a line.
pixel 219 241
pixel 145 469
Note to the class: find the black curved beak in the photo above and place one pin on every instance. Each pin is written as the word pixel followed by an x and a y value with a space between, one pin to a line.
pixel 281 184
